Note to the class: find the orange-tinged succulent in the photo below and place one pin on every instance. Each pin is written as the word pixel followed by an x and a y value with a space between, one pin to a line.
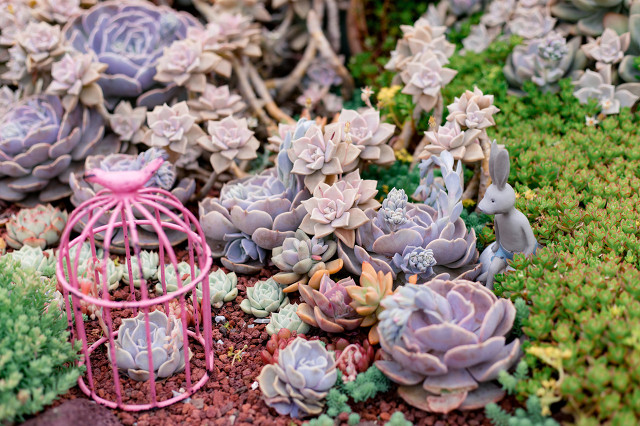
pixel 366 297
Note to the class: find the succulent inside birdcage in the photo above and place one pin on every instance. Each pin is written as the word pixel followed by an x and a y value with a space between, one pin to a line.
pixel 166 346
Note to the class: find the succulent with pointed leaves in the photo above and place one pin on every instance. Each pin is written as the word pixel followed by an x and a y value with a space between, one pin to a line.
pixel 366 297
pixel 339 209
pixel 40 226
pixel 328 308
pixel 263 298
pixel 304 260
pixel 127 122
pixel 168 272
pixel 298 382
pixel 444 342
pixel 216 103
pixel 461 144
pixel 173 128
pixel 366 133
pixel 58 11
pixel 287 318
pixel 75 79
pixel 320 155
pixel 229 140
pixel 609 48
pixel 419 38
pixel 222 288
pixel 473 110
pixel 132 348
pixel 530 23
pixel 424 77
pixel 597 85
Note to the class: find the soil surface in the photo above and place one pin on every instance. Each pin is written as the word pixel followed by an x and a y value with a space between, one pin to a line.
pixel 231 395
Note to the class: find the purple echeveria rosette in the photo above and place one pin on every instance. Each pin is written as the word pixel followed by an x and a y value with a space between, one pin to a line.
pixel 41 145
pixel 130 38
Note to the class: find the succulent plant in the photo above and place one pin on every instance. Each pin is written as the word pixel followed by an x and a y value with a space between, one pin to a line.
pixel 164 177
pixel 419 38
pixel 352 358
pixel 184 63
pixel 545 61
pixel 424 77
pixel 75 79
pixel 464 7
pixel 304 260
pixel 36 46
pixel 628 69
pixel 40 145
pixel 287 318
pixel 318 155
pixel 114 272
pixel 58 11
pixel 40 226
pixel 339 209
pixel 130 38
pixel 8 97
pixel 328 307
pixel 609 48
pixel 444 342
pixel 597 85
pixel 42 261
pixel 172 127
pixel 366 297
pixel 127 122
pixel 415 261
pixel 229 33
pixel 229 140
pixel 263 298
pixel 171 278
pixel 589 16
pixel 479 38
pixel 498 13
pixel 461 144
pixel 222 288
pixel 252 215
pixel 276 343
pixel 399 224
pixel 531 23
pixel 366 133
pixel 473 110
pixel 132 347
pixel 298 383
pixel 216 103
pixel 149 260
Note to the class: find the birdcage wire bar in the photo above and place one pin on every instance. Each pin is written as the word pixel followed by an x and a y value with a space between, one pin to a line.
pixel 160 210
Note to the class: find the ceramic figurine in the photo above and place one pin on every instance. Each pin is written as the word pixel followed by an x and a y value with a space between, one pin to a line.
pixel 512 228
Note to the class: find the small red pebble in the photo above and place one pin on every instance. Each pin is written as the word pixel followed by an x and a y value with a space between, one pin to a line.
pixel 385 416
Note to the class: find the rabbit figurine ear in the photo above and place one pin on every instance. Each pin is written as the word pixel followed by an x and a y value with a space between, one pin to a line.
pixel 501 167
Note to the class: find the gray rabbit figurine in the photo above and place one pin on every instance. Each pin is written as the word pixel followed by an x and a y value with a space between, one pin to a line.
pixel 512 228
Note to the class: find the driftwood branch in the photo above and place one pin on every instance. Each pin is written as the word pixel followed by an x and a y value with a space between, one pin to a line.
pixel 270 105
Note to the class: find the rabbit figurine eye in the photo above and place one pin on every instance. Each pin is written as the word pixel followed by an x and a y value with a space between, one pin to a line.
pixel 493 201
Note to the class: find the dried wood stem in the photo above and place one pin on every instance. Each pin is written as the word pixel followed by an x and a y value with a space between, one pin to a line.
pixel 270 105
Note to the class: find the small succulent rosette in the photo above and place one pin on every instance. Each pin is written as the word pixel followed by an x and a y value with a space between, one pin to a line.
pixel 40 226
pixel 297 384
pixel 287 318
pixel 167 346
pixel 263 298
pixel 222 288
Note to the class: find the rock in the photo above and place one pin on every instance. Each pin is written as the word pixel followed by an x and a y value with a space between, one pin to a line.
pixel 75 412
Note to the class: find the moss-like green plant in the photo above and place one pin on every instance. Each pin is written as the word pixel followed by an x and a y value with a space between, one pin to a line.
pixel 37 362
pixel 397 419
pixel 530 417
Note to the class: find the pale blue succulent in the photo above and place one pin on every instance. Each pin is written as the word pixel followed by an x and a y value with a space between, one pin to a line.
pixel 416 261
pixel 300 381
pixel 171 279
pixel 42 261
pixel 132 348
pixel 149 261
pixel 287 318
pixel 263 298
pixel 222 288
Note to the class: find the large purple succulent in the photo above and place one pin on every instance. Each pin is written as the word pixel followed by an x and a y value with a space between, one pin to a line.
pixel 298 382
pixel 328 307
pixel 40 145
pixel 129 37
pixel 444 342
pixel 252 215
pixel 403 231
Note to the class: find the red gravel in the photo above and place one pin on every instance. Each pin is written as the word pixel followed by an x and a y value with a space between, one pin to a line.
pixel 227 398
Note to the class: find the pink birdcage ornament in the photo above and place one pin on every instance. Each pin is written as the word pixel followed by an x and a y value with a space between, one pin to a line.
pixel 172 317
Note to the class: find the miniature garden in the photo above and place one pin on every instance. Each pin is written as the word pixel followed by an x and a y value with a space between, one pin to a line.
pixel 321 212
